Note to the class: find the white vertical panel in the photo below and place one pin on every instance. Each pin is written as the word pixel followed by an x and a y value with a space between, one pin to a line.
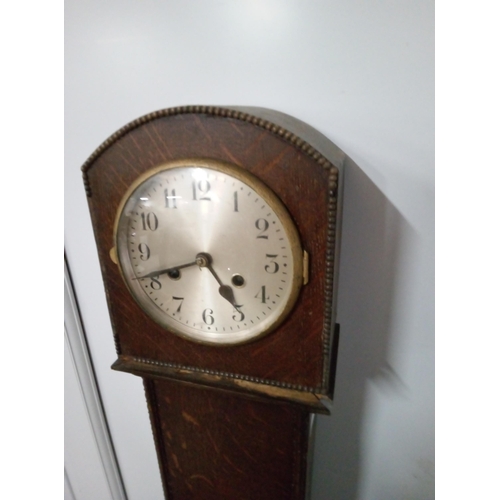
pixel 85 477
pixel 90 467
pixel 360 72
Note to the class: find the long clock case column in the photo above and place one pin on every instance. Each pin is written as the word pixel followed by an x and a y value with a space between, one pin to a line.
pixel 230 422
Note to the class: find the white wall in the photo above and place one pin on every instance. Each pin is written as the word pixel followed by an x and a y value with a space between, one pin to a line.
pixel 362 73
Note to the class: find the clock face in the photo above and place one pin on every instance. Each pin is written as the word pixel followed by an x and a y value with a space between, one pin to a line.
pixel 208 251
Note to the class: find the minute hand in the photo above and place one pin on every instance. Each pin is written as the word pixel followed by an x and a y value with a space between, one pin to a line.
pixel 165 271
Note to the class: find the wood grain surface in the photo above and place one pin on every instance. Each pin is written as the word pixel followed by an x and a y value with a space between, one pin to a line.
pixel 229 422
pixel 216 446
pixel 296 355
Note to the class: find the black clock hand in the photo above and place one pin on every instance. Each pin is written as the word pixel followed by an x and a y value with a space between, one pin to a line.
pixel 205 260
pixel 167 271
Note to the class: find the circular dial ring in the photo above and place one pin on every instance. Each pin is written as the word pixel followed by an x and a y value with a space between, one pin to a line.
pixel 208 251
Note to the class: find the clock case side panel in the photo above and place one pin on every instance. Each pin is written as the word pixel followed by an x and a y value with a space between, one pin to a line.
pixel 105 186
pixel 258 449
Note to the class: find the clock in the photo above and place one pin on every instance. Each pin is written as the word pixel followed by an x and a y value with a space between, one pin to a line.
pixel 208 251
pixel 218 234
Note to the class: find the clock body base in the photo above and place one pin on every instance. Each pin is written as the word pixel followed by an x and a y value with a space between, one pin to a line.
pixel 218 445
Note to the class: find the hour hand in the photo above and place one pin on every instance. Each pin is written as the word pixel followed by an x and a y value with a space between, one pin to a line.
pixel 227 292
pixel 205 260
pixel 173 272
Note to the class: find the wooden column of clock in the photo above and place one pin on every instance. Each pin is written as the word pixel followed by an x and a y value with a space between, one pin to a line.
pixel 218 237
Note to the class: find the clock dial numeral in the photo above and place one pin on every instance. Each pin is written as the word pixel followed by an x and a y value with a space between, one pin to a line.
pixel 144 251
pixel 155 284
pixel 262 295
pixel 170 200
pixel 180 305
pixel 239 316
pixel 274 268
pixel 201 188
pixel 149 221
pixel 262 225
pixel 207 316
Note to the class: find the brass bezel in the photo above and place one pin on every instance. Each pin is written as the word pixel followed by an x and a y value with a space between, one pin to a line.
pixel 270 198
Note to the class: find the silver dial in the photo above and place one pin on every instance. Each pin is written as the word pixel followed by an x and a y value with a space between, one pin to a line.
pixel 208 251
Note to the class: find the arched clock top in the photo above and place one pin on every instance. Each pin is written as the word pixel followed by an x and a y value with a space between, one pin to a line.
pixel 303 170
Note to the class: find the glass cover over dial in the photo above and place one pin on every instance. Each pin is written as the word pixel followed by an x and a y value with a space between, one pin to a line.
pixel 208 251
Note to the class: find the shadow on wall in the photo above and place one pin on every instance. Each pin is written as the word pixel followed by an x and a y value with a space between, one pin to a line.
pixel 371 236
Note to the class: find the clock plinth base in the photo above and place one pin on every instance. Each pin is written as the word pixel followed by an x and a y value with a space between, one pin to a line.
pixel 216 445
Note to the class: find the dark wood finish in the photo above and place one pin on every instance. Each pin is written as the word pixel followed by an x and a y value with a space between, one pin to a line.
pixel 230 422
pixel 217 446
pixel 307 400
pixel 297 354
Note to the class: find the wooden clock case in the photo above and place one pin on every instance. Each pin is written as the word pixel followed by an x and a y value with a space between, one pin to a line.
pixel 230 421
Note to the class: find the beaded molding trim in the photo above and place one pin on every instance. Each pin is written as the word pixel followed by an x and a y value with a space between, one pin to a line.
pixel 206 371
pixel 331 227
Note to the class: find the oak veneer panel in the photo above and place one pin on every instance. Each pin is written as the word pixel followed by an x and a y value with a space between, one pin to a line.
pixel 294 353
pixel 214 445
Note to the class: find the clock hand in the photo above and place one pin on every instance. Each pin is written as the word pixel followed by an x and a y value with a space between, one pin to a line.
pixel 205 260
pixel 167 271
